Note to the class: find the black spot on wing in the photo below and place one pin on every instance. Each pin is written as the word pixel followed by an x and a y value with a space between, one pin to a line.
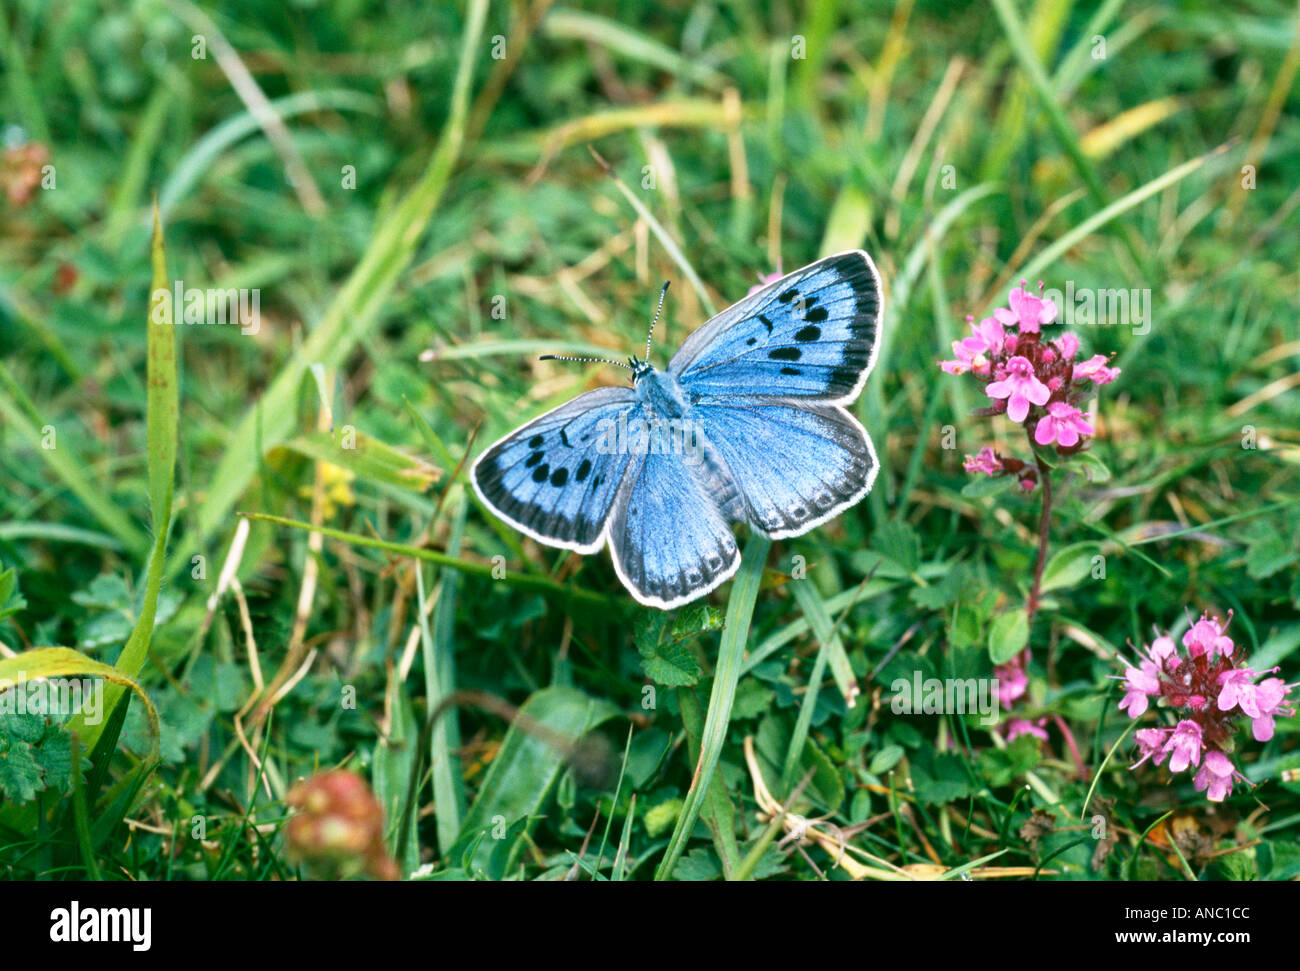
pixel 817 314
pixel 536 441
pixel 765 322
pixel 785 354
pixel 533 460
pixel 584 469
pixel 809 333
pixel 788 295
pixel 541 472
pixel 559 477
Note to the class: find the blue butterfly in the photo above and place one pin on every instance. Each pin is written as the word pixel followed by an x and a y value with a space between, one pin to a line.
pixel 747 425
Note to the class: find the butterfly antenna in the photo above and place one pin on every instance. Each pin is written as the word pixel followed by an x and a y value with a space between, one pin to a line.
pixel 584 360
pixel 651 336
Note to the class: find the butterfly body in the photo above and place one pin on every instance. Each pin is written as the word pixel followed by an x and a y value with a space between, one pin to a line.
pixel 745 425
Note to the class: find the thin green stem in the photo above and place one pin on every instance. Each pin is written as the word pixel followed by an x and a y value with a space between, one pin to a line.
pixel 1044 531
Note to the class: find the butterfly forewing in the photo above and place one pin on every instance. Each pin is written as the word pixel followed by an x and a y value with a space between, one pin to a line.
pixel 557 477
pixel 810 335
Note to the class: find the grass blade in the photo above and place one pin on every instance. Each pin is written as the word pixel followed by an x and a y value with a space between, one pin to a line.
pixel 162 420
pixel 356 308
pixel 740 611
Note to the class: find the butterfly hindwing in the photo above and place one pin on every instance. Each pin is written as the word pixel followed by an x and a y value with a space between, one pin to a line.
pixel 554 478
pixel 670 542
pixel 796 465
pixel 810 335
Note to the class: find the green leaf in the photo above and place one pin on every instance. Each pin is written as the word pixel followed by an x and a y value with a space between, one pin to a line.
pixel 772 743
pixel 896 540
pixel 662 638
pixel 752 699
pixel 999 767
pixel 21 726
pixel 1008 634
pixel 20 773
pixel 1267 554
pixel 1069 565
pixel 1279 646
pixel 941 594
pixel 697 865
pixel 1093 468
pixel 527 766
pixel 671 664
pixel 1234 866
pixel 939 777
pixel 885 759
pixel 11 599
pixel 969 618
pixel 987 485
pixel 55 755
pixel 660 819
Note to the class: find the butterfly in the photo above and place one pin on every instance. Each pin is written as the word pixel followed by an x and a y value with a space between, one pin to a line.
pixel 746 425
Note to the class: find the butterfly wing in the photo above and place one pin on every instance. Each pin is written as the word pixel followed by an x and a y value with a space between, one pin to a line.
pixel 795 465
pixel 811 335
pixel 555 478
pixel 670 542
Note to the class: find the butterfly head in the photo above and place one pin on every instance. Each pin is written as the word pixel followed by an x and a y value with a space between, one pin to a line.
pixel 638 368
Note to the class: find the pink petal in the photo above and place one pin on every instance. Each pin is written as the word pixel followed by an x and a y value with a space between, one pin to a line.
pixel 1018 408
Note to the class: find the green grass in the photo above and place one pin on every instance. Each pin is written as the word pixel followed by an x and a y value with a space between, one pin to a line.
pixel 475 203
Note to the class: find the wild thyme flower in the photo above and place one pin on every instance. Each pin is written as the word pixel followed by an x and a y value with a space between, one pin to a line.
pixel 1020 386
pixel 1033 380
pixel 1212 690
pixel 1023 726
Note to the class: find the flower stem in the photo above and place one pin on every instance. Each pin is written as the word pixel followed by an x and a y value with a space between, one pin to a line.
pixel 1044 524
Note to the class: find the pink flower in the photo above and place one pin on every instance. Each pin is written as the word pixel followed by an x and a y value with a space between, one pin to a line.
pixel 1068 345
pixel 1262 704
pixel 1094 369
pixel 972 353
pixel 1063 423
pixel 1151 744
pixel 1184 745
pixel 986 461
pixel 1238 683
pixel 1012 682
pixel 1214 690
pixel 1027 311
pixel 1023 726
pixel 1216 775
pixel 1207 637
pixel 1021 386
pixel 1138 684
pixel 1164 652
pixel 763 281
pixel 987 336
